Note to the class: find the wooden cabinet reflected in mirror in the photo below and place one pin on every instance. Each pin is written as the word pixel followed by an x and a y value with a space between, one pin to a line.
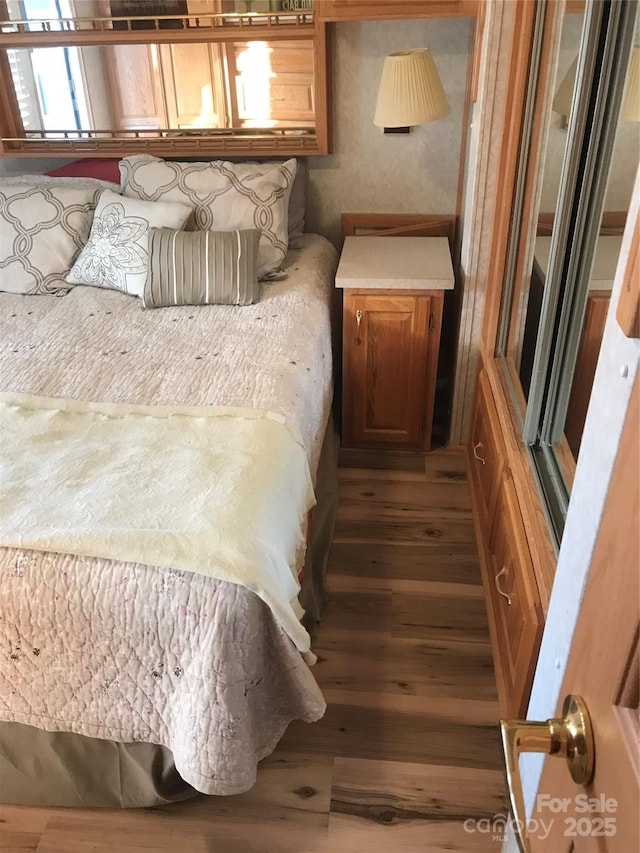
pixel 256 84
pixel 254 78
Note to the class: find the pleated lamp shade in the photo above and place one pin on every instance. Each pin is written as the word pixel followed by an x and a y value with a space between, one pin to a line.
pixel 410 90
pixel 631 102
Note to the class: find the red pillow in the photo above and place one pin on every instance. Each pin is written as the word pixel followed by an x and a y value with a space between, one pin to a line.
pixel 90 167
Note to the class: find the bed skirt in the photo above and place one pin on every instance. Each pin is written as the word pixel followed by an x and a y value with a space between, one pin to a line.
pixel 67 769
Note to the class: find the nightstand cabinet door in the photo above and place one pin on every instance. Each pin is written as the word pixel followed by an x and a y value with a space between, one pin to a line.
pixel 387 384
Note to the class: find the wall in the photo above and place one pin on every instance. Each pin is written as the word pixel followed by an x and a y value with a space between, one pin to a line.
pixel 373 172
pixel 368 171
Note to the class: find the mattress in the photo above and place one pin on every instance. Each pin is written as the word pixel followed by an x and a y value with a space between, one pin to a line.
pixel 135 653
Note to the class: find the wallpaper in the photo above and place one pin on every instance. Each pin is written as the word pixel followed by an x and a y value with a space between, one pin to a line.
pixel 373 172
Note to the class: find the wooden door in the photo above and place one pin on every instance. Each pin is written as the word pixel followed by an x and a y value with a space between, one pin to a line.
pixel 271 83
pixel 384 369
pixel 603 668
pixel 140 106
pixel 194 85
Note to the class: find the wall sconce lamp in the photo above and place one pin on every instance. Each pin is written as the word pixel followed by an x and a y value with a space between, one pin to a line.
pixel 410 92
pixel 630 104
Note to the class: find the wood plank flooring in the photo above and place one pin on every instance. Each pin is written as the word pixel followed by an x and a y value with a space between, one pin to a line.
pixel 408 749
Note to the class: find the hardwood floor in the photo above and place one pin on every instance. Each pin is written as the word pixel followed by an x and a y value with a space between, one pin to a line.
pixel 408 749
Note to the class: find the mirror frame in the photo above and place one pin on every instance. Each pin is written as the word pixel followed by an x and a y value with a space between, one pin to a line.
pixel 83 32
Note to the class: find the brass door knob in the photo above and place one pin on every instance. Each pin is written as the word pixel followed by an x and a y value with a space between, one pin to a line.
pixel 569 737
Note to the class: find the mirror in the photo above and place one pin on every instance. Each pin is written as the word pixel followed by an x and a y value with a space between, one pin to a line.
pixel 578 168
pixel 255 84
pixel 237 71
pixel 529 288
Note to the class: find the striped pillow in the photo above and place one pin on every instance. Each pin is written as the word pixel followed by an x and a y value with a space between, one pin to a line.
pixel 202 268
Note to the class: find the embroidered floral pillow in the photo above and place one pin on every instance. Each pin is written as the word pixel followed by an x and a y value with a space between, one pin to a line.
pixel 116 254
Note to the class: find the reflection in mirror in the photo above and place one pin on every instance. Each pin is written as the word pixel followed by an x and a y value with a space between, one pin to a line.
pixel 178 87
pixel 163 76
pixel 566 237
pixel 528 293
pixel 624 165
pixel 527 303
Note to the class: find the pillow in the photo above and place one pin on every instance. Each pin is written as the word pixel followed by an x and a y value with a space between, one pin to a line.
pixel 90 167
pixel 297 205
pixel 115 256
pixel 107 169
pixel 202 268
pixel 44 222
pixel 226 197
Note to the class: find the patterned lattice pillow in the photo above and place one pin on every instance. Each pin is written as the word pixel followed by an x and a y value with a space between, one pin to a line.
pixel 225 197
pixel 44 223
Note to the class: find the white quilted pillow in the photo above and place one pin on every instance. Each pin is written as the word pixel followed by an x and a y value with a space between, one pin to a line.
pixel 225 197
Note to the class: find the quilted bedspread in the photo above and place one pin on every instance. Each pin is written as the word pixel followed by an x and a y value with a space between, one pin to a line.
pixel 133 652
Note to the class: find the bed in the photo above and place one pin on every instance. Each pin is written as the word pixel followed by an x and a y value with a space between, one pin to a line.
pixel 152 683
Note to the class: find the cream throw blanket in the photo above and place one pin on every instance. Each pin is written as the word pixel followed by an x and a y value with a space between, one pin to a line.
pixel 213 490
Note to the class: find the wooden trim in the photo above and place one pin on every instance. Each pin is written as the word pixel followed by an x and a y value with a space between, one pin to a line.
pixel 322 88
pixel 399 224
pixel 92 38
pixel 477 50
pixel 186 146
pixel 384 10
pixel 612 223
pixel 501 21
pixel 628 310
pixel 469 97
pixel 395 291
pixel 510 150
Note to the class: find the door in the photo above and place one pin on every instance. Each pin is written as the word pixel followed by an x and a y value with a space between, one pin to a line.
pixel 271 83
pixel 603 668
pixel 139 107
pixel 384 369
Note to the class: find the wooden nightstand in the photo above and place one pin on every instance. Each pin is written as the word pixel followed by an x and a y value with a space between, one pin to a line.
pixel 392 315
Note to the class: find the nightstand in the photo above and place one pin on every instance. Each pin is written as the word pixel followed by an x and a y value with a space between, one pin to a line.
pixel 392 316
